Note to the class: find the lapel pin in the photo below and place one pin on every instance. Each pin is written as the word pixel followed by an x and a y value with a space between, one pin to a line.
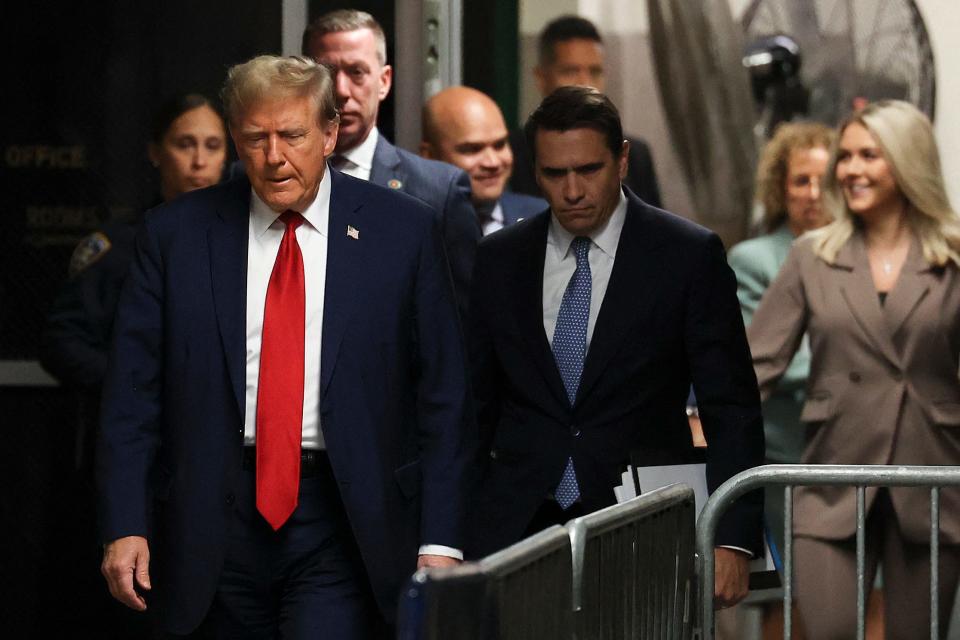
pixel 353 233
pixel 394 184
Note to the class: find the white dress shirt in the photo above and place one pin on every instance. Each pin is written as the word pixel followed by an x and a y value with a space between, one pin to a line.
pixel 358 162
pixel 495 222
pixel 559 263
pixel 265 234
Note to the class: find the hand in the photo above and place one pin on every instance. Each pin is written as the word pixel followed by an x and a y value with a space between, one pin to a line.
pixel 425 561
pixel 125 560
pixel 731 578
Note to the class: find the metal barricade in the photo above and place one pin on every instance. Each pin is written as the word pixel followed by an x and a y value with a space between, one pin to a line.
pixel 789 476
pixel 521 592
pixel 633 567
pixel 623 572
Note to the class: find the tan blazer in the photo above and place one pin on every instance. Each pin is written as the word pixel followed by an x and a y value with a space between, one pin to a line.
pixel 883 385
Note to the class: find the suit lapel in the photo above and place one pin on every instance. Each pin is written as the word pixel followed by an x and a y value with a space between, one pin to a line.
pixel 630 288
pixel 344 271
pixel 910 289
pixel 860 294
pixel 227 239
pixel 528 289
pixel 387 166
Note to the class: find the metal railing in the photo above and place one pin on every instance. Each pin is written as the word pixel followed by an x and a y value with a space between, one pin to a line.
pixel 633 567
pixel 789 476
pixel 523 591
pixel 624 571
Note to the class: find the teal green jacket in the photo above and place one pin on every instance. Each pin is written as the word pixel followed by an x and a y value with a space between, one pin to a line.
pixel 756 263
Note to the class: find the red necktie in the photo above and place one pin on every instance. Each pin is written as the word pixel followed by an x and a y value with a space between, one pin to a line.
pixel 280 387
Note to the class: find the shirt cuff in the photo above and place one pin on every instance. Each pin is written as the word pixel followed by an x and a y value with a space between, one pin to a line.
pixel 740 549
pixel 440 550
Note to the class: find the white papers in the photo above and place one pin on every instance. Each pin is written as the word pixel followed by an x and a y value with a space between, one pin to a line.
pixel 650 478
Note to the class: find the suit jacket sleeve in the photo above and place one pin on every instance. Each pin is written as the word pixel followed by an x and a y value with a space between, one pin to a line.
pixel 461 234
pixel 779 323
pixel 726 390
pixel 130 418
pixel 75 340
pixel 444 421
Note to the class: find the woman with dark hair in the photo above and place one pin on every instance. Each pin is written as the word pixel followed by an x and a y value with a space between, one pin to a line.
pixel 878 293
pixel 188 147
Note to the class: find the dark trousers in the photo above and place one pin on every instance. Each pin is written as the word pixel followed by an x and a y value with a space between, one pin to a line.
pixel 305 580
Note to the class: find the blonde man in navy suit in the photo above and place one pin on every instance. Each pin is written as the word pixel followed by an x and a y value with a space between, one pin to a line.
pixel 285 429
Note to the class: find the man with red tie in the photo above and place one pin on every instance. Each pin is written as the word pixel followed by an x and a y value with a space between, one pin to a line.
pixel 283 436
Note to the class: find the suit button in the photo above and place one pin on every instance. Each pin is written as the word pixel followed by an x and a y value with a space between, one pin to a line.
pixel 230 500
pixel 854 376
pixel 574 431
pixel 898 375
pixel 493 454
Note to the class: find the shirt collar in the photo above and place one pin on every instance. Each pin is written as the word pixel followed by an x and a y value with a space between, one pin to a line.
pixel 606 238
pixel 497 214
pixel 362 154
pixel 316 213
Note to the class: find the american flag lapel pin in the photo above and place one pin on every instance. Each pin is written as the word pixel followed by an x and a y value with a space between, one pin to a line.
pixel 352 232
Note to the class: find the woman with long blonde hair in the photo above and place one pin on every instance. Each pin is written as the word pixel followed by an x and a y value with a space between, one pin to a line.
pixel 878 293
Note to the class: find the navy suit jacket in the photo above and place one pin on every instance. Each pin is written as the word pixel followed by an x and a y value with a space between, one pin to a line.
pixel 393 388
pixel 518 206
pixel 670 316
pixel 447 190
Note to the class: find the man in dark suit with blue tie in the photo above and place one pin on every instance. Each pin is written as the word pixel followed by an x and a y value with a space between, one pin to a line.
pixel 465 127
pixel 284 429
pixel 586 330
pixel 353 45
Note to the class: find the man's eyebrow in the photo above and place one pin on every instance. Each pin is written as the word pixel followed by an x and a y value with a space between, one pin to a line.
pixel 590 166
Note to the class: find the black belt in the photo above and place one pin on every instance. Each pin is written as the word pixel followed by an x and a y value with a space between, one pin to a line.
pixel 312 461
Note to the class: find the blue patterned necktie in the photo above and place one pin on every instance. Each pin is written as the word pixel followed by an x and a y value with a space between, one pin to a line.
pixel 570 349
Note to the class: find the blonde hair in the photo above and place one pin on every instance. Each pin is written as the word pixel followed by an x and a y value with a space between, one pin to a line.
pixel 905 137
pixel 774 162
pixel 271 77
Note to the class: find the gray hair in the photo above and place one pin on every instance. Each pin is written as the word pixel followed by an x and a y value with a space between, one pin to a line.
pixel 278 77
pixel 345 20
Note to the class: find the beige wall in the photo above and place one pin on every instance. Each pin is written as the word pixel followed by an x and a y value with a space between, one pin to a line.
pixel 632 86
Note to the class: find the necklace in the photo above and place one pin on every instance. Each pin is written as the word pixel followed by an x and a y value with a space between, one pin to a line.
pixel 887 266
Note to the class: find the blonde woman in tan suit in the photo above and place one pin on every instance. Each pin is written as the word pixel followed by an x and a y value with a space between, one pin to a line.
pixel 878 292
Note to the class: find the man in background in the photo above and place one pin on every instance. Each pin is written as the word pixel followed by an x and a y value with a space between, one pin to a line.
pixel 465 127
pixel 352 44
pixel 570 51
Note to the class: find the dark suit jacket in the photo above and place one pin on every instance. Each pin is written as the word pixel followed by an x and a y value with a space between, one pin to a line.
pixel 669 317
pixel 641 176
pixel 447 190
pixel 393 381
pixel 517 206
